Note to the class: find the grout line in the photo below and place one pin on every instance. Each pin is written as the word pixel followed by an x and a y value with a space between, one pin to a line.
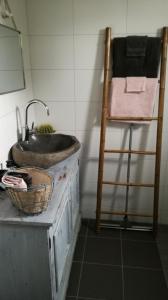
pixel 74 69
pixel 64 69
pixel 98 264
pixel 143 268
pixel 82 262
pixel 103 237
pixel 116 34
pixel 138 241
pixel 122 267
pixel 91 298
pixel 86 298
pixel 126 23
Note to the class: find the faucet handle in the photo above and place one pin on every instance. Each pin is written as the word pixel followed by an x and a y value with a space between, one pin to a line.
pixel 32 127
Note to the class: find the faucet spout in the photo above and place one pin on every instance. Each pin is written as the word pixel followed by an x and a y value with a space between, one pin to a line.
pixel 34 101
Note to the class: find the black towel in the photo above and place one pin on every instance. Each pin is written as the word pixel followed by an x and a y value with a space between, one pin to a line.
pixel 125 66
pixel 136 45
pixel 153 56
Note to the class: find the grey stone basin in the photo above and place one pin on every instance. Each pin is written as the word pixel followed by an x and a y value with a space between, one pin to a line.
pixel 44 150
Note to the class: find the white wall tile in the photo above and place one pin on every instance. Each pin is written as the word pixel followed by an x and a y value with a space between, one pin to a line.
pixel 26 52
pixel 51 52
pixel 141 200
pixel 114 170
pixel 143 137
pixel 146 16
pixel 93 15
pixel 61 115
pixel 8 135
pixel 90 141
pixel 50 16
pixel 163 173
pixel 53 85
pixel 114 199
pixel 142 170
pixel 163 208
pixel 87 115
pixel 88 85
pixel 89 51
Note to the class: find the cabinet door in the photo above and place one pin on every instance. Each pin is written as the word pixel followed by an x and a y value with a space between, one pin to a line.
pixel 74 197
pixel 61 243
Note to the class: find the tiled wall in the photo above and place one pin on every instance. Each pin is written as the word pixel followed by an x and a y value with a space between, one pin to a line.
pixel 12 105
pixel 66 46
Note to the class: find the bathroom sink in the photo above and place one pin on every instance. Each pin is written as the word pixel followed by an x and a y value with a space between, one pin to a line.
pixel 44 150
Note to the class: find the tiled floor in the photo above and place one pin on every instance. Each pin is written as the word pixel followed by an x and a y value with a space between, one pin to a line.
pixel 162 242
pixel 116 265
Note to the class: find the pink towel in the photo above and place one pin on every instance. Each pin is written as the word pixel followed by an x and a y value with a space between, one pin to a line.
pixel 135 84
pixel 140 104
pixel 14 182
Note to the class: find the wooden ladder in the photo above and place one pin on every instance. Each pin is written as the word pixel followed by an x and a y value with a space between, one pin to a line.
pixel 104 121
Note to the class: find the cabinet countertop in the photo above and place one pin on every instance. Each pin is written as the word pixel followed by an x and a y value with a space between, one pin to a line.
pixel 11 215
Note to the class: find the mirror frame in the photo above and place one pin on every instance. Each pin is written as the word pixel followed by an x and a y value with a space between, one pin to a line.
pixel 23 71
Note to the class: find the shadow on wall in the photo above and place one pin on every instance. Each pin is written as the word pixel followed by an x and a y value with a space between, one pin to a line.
pixel 92 119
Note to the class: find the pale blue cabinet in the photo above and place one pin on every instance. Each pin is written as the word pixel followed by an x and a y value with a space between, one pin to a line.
pixel 74 197
pixel 62 241
pixel 36 251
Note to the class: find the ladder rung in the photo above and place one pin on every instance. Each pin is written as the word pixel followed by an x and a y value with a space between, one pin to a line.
pixel 130 118
pixel 120 213
pixel 128 184
pixel 131 151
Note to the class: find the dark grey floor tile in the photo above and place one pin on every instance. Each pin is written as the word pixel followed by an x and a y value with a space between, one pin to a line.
pixel 140 254
pixel 79 249
pixel 164 257
pixel 83 228
pixel 101 282
pixel 80 298
pixel 144 285
pixel 74 279
pixel 166 275
pixel 162 240
pixel 163 229
pixel 104 232
pixel 104 251
pixel 70 298
pixel 137 235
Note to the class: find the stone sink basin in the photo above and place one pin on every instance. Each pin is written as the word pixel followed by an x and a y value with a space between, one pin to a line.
pixel 44 150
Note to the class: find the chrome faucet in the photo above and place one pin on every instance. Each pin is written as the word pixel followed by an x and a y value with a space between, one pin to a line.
pixel 27 131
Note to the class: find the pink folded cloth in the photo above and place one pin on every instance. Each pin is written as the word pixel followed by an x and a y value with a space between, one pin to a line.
pixel 135 84
pixel 14 182
pixel 137 104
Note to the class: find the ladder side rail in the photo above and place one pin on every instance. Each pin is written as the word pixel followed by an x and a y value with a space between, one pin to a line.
pixel 160 127
pixel 103 123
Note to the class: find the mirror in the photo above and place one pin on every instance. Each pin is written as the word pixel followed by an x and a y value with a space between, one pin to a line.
pixel 12 76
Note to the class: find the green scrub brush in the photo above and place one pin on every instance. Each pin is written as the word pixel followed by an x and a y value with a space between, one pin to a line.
pixel 45 128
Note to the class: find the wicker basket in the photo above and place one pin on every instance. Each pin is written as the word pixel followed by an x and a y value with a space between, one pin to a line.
pixel 35 199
